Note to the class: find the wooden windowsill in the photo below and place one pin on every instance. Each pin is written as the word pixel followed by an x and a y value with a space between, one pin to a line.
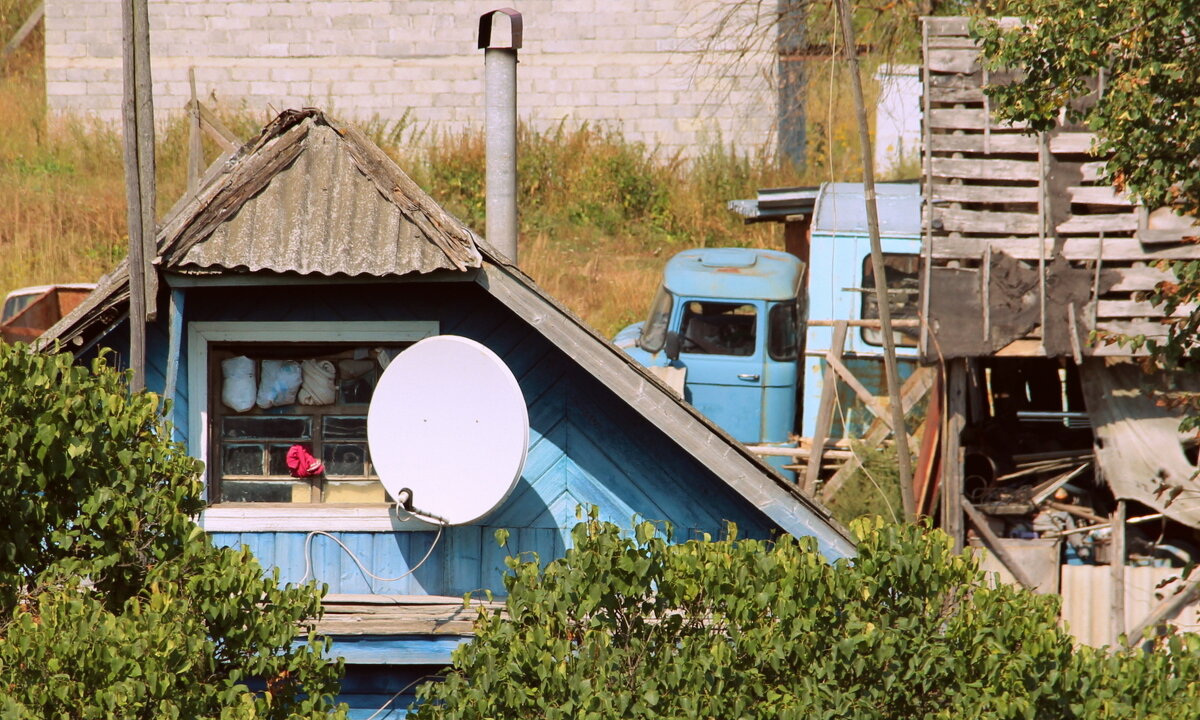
pixel 305 517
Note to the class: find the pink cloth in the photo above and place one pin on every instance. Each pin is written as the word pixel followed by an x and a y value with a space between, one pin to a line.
pixel 302 463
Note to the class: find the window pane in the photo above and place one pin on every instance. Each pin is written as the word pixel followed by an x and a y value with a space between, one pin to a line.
pixel 902 274
pixel 357 391
pixel 355 491
pixel 242 460
pixel 251 491
pixel 285 427
pixel 716 328
pixel 277 462
pixel 345 459
pixel 783 331
pixel 353 427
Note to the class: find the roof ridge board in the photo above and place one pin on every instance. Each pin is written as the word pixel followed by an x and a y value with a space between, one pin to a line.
pixel 249 175
pixel 450 234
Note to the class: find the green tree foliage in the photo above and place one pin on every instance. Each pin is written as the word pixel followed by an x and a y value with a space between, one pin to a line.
pixel 113 603
pixel 1145 56
pixel 639 628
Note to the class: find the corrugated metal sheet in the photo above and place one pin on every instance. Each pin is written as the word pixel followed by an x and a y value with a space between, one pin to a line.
pixel 1086 603
pixel 320 215
pixel 841 209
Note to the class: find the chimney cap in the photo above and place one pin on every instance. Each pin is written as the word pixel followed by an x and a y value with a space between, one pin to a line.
pixel 485 28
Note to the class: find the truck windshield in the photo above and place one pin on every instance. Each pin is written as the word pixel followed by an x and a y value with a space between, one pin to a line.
pixel 654 332
pixel 718 328
pixel 783 328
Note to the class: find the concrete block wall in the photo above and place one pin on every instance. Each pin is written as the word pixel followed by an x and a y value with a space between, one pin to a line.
pixel 647 66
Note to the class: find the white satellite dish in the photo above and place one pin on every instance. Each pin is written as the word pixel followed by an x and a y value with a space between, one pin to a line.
pixel 448 423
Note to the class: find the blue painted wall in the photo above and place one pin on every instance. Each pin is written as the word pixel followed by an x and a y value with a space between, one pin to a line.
pixel 586 447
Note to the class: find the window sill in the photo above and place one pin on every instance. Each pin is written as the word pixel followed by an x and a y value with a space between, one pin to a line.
pixel 289 517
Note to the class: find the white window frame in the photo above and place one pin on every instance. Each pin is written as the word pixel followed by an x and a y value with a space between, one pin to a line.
pixel 245 517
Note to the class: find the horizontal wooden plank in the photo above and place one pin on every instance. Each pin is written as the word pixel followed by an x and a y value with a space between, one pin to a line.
pixel 1030 248
pixel 982 221
pixel 1091 171
pixel 1149 328
pixel 952 60
pixel 952 42
pixel 945 192
pixel 986 169
pixel 938 27
pixel 1098 195
pixel 1131 279
pixel 1137 309
pixel 995 142
pixel 943 26
pixel 1071 143
pixel 947 95
pixel 1081 224
pixel 1166 237
pixel 968 119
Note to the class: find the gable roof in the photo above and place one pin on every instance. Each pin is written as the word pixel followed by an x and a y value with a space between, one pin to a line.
pixel 314 220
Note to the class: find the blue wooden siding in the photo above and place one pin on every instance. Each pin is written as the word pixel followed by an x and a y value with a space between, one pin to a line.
pixel 587 447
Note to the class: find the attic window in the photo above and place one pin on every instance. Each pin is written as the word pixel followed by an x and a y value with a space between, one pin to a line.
pixel 288 422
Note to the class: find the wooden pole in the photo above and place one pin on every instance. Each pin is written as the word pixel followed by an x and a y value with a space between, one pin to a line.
pixel 993 543
pixel 903 459
pixel 825 409
pixel 137 111
pixel 195 148
pixel 1117 563
pixel 146 161
pixel 24 31
pixel 133 202
pixel 952 456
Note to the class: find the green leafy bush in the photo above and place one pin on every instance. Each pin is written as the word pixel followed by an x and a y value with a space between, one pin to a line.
pixel 638 628
pixel 113 603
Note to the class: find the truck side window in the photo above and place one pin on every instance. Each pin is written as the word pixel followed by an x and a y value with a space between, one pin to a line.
pixel 654 332
pixel 902 271
pixel 783 331
pixel 717 328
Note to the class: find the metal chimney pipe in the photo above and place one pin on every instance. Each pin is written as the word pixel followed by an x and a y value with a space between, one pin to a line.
pixel 500 99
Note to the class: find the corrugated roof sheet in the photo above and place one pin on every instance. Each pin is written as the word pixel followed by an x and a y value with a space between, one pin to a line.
pixel 841 209
pixel 321 214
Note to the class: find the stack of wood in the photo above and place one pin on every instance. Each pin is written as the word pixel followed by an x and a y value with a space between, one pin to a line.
pixel 1027 249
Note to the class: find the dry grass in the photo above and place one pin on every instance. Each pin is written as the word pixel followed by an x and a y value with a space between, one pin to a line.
pixel 600 214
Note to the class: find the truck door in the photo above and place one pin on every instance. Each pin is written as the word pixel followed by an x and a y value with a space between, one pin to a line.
pixel 721 349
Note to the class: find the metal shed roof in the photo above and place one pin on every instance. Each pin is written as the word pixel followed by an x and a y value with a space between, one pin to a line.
pixel 841 209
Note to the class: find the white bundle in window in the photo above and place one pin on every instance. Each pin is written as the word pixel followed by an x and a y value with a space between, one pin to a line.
pixel 237 390
pixel 317 387
pixel 279 383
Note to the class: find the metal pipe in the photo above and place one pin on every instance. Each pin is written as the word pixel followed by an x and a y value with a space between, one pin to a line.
pixel 500 90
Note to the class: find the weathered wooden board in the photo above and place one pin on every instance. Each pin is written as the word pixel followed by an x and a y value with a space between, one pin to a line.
pixel 1098 195
pixel 1091 224
pixel 1007 143
pixel 968 119
pixel 1165 237
pixel 986 169
pixel 981 221
pixel 1071 143
pixel 953 60
pixel 1030 248
pixel 1138 309
pixel 1131 279
pixel 946 192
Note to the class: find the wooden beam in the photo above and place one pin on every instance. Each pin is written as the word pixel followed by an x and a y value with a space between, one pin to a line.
pixel 39 11
pixel 914 389
pixel 216 129
pixel 1117 564
pixel 952 469
pixel 993 543
pixel 1185 595
pixel 825 409
pixel 195 147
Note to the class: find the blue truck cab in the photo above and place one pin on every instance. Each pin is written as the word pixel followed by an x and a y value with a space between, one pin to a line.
pixel 733 320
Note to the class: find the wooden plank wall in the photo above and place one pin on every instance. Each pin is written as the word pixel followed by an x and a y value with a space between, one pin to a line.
pixel 995 188
pixel 586 447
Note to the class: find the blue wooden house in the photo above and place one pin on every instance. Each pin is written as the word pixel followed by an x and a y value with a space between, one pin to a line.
pixel 311 245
